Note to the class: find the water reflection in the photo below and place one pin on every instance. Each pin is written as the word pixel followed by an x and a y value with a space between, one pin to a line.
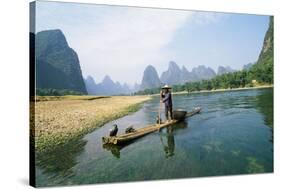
pixel 168 142
pixel 264 104
pixel 114 149
pixel 229 137
pixel 169 147
pixel 59 161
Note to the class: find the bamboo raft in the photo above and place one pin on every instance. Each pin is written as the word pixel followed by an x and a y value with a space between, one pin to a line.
pixel 127 137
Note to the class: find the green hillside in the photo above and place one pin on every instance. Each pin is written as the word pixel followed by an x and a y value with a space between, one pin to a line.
pixel 57 65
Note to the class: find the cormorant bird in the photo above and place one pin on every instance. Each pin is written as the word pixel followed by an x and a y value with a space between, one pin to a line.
pixel 130 129
pixel 113 131
pixel 158 120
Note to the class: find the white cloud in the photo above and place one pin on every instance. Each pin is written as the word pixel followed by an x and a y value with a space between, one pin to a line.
pixel 126 40
pixel 206 18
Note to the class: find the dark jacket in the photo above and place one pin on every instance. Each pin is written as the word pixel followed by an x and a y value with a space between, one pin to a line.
pixel 167 99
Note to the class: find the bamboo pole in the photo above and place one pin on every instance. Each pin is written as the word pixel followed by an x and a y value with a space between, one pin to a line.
pixel 159 110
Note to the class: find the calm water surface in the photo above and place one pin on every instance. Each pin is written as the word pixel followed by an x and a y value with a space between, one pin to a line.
pixel 232 135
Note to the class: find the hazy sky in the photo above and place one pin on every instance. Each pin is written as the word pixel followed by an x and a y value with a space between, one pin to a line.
pixel 122 41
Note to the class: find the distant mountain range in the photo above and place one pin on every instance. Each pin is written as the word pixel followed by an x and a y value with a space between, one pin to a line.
pixel 176 75
pixel 224 70
pixel 106 87
pixel 248 66
pixel 173 75
pixel 57 65
pixel 202 72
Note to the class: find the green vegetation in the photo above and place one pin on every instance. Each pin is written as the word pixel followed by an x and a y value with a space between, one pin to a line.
pixel 267 50
pixel 57 65
pixel 56 92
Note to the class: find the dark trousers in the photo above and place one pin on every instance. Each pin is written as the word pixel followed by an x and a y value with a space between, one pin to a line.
pixel 168 110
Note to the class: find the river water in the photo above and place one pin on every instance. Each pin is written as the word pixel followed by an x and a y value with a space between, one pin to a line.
pixel 232 135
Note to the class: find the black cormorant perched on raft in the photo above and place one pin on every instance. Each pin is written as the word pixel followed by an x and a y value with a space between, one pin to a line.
pixel 113 131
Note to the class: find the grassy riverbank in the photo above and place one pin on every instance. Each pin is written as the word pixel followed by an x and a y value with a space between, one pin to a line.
pixel 59 120
pixel 222 90
pixel 218 90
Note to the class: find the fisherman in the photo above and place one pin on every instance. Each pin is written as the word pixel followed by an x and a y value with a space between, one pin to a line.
pixel 166 98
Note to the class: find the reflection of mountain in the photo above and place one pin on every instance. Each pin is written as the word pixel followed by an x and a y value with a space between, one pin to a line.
pixel 265 106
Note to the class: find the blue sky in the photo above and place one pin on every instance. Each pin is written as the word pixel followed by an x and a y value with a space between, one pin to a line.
pixel 122 41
